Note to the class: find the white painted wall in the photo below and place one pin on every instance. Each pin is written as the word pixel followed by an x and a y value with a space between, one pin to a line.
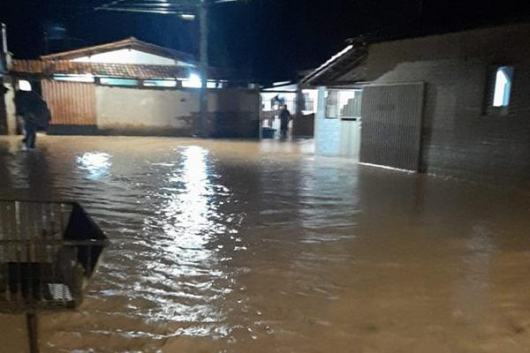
pixel 313 95
pixel 10 109
pixel 130 56
pixel 350 139
pixel 134 108
pixel 327 131
pixel 169 111
pixel 334 136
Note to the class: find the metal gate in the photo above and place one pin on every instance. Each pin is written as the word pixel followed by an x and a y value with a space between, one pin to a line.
pixel 392 125
pixel 350 127
pixel 70 103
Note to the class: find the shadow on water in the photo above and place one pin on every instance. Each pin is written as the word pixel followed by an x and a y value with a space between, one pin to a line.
pixel 24 174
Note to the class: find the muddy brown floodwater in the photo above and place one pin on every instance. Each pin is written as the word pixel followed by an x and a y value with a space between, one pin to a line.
pixel 224 246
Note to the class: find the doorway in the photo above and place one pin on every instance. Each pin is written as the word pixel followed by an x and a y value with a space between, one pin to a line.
pixel 345 106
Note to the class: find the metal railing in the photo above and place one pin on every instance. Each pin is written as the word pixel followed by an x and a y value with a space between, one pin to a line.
pixel 48 252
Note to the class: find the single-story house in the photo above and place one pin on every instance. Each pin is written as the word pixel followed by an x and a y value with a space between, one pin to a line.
pixel 131 87
pixel 451 104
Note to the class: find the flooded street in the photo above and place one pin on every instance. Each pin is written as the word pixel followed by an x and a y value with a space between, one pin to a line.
pixel 224 246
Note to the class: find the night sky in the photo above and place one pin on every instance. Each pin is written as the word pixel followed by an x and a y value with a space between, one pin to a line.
pixel 266 40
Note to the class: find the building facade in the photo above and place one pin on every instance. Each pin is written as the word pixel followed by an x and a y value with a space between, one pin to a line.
pixel 454 104
pixel 132 87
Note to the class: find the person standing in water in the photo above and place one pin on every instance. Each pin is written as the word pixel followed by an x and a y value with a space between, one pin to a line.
pixel 285 117
pixel 35 113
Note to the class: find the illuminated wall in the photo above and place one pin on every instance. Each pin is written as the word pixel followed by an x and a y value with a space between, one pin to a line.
pixel 129 56
pixel 122 110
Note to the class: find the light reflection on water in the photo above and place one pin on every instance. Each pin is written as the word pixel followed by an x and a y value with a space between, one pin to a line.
pixel 96 163
pixel 189 219
pixel 243 247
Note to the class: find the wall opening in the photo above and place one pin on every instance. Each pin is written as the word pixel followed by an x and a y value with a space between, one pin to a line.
pixel 118 81
pixel 503 86
pixel 343 104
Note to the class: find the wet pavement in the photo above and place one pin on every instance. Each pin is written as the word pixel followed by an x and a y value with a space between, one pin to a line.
pixel 262 247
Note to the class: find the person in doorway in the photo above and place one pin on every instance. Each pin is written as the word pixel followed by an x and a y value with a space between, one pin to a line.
pixel 285 117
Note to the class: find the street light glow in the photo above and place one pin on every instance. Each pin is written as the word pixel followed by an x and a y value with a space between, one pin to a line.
pixel 187 17
pixel 195 81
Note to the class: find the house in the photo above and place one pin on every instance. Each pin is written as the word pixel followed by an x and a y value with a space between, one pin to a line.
pixel 451 104
pixel 131 87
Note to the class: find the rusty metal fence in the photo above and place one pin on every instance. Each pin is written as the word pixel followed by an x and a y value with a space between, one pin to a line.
pixel 70 103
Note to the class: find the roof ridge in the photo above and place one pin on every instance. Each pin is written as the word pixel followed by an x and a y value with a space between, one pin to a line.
pixel 70 54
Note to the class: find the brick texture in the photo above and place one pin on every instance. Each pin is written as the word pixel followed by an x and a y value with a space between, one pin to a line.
pixel 459 138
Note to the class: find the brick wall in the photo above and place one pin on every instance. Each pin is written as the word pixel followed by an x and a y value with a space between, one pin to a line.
pixel 459 138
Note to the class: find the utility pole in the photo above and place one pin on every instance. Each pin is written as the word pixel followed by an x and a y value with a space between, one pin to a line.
pixel 3 49
pixel 154 7
pixel 203 109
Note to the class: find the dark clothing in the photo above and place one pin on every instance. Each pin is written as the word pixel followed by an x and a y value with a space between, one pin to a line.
pixel 285 117
pixel 31 104
pixel 31 133
pixel 34 110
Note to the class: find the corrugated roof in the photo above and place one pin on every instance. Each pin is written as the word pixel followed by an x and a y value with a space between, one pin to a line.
pixel 129 43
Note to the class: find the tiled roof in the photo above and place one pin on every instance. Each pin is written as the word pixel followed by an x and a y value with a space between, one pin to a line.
pixel 50 68
pixel 129 43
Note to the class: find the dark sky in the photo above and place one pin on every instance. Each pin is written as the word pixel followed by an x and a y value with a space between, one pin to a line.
pixel 265 39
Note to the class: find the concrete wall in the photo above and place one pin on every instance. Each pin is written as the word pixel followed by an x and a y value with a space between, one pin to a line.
pixel 10 110
pixel 304 126
pixel 234 113
pixel 145 112
pixel 459 138
pixel 133 111
pixel 3 111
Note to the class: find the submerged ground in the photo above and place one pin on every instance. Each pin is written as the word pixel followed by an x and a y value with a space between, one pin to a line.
pixel 222 246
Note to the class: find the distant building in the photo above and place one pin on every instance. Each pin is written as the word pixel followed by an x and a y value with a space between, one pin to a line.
pixel 453 104
pixel 130 87
pixel 300 102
